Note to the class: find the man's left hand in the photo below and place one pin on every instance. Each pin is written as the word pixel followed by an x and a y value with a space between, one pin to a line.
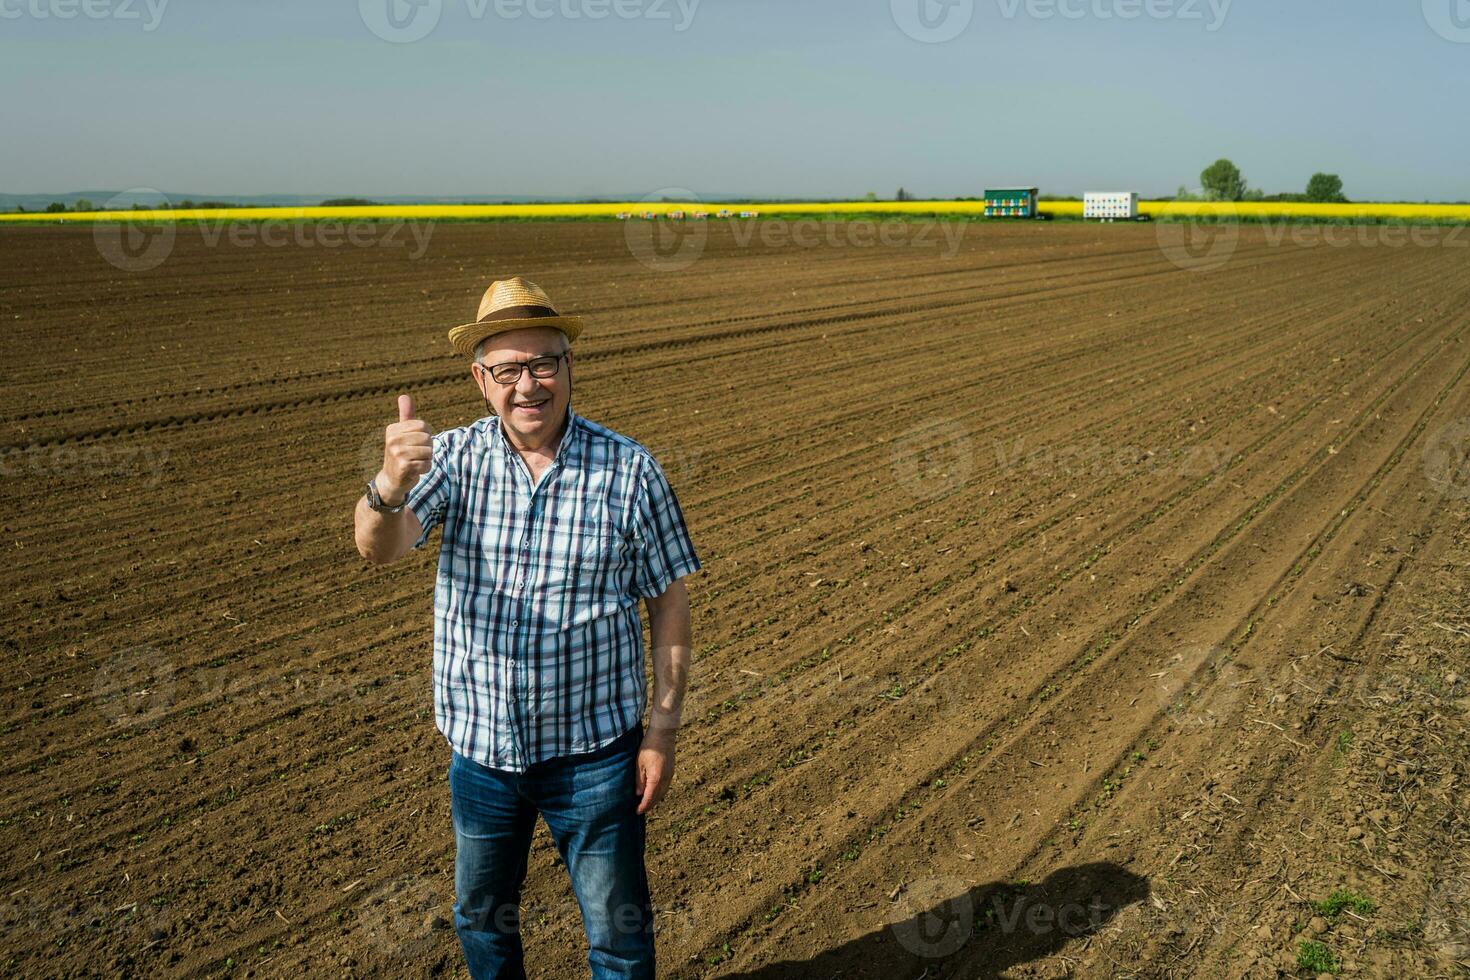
pixel 655 767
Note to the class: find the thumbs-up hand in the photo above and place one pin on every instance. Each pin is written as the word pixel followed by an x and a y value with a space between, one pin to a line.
pixel 408 449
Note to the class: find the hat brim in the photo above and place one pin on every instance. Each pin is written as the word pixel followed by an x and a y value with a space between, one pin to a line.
pixel 467 336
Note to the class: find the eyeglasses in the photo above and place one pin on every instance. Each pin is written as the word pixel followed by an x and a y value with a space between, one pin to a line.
pixel 509 372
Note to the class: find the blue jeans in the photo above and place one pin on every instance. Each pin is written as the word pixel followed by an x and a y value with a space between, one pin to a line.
pixel 591 807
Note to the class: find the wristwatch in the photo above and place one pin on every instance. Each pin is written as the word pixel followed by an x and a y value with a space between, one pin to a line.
pixel 375 500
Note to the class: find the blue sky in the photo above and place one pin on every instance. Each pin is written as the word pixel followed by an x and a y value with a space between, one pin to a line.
pixel 759 97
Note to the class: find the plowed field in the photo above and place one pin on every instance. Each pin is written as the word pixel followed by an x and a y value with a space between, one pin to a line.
pixel 1064 612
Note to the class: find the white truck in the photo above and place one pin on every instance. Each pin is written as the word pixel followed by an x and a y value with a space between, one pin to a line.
pixel 1110 205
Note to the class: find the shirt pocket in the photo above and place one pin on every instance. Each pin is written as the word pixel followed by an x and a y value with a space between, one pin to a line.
pixel 586 558
pixel 596 553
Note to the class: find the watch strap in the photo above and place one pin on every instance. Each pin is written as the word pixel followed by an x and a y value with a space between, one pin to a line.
pixel 375 500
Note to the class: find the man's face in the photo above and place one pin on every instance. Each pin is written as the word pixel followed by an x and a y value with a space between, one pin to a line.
pixel 532 408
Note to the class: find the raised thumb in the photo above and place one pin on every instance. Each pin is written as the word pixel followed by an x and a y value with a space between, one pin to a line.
pixel 405 408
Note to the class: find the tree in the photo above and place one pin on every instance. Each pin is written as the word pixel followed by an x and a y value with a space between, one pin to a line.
pixel 1326 189
pixel 1222 181
pixel 82 204
pixel 903 195
pixel 54 207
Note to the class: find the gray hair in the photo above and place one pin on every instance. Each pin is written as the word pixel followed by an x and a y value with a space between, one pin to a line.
pixel 566 345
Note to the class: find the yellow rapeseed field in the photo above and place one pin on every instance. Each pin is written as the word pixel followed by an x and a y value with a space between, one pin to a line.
pixel 429 212
pixel 1263 209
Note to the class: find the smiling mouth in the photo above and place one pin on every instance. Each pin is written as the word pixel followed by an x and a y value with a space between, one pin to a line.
pixel 532 406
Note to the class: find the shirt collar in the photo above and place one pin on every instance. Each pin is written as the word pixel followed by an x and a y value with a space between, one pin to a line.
pixel 570 436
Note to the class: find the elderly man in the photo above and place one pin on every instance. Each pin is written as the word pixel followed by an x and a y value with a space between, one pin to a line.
pixel 554 528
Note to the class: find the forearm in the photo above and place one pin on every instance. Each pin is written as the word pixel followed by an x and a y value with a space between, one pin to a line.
pixel 670 635
pixel 384 538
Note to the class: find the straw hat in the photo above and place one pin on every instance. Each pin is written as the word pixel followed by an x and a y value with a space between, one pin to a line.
pixel 512 304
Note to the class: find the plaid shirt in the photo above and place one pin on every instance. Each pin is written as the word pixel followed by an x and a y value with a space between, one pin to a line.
pixel 538 648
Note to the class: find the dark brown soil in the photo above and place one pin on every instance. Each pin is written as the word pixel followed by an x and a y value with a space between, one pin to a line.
pixel 1065 612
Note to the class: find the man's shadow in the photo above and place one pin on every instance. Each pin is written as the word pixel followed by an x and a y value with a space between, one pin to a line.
pixel 938 928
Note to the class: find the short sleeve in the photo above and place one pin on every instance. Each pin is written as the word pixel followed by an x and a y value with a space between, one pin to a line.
pixel 663 552
pixel 429 498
